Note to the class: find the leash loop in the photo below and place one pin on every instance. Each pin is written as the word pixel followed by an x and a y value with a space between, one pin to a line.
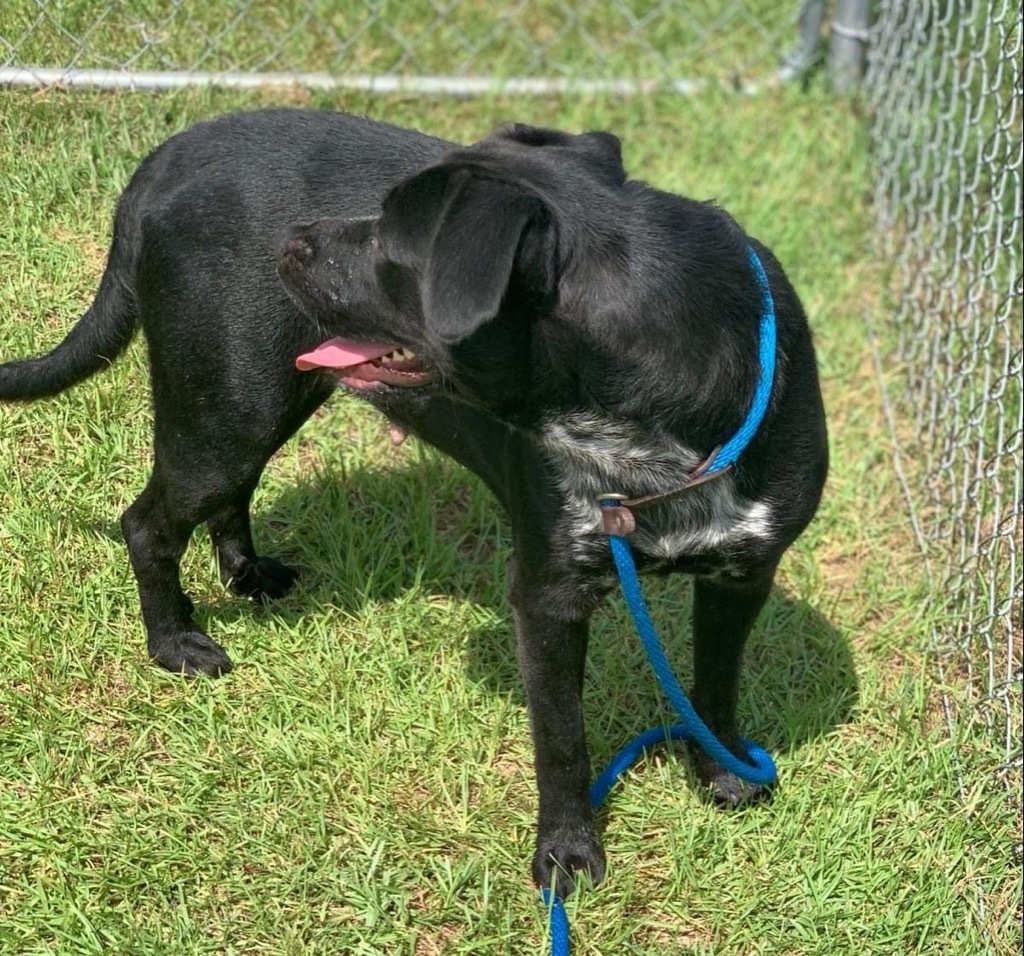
pixel 759 768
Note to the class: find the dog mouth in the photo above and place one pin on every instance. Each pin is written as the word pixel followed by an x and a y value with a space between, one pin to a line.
pixel 368 365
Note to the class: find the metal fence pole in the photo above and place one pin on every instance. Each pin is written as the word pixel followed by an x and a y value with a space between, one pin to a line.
pixel 805 56
pixel 848 53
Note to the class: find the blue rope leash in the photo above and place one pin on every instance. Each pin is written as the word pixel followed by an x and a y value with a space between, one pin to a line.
pixel 761 768
pixel 734 447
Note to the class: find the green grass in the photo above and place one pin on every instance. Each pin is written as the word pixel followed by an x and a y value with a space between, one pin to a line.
pixel 361 783
pixel 536 37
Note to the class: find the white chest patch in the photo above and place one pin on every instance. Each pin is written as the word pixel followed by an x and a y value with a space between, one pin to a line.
pixel 592 456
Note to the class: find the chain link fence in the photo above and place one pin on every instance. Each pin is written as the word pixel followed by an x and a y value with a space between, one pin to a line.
pixel 944 87
pixel 425 45
pixel 944 84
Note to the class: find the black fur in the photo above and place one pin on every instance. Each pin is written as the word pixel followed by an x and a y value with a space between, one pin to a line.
pixel 582 328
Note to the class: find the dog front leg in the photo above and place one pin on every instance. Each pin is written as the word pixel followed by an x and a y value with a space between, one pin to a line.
pixel 551 636
pixel 724 611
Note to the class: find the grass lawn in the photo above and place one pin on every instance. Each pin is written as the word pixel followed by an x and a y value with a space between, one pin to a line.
pixel 634 38
pixel 361 783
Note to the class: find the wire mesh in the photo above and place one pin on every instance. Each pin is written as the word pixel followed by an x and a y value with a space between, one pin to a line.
pixel 732 40
pixel 944 83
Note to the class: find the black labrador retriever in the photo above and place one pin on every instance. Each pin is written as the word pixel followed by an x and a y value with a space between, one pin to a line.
pixel 559 329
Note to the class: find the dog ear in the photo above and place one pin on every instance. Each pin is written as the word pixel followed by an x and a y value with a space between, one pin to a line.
pixel 603 149
pixel 480 237
pixel 606 148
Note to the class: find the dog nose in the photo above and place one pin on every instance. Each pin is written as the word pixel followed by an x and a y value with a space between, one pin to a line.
pixel 295 247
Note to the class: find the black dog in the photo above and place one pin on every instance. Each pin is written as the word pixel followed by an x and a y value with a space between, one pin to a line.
pixel 519 304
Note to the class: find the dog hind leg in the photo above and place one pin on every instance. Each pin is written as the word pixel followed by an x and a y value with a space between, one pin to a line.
pixel 157 534
pixel 206 474
pixel 241 569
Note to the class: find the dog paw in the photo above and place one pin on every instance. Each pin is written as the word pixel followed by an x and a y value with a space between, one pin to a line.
pixel 725 788
pixel 190 653
pixel 563 854
pixel 263 579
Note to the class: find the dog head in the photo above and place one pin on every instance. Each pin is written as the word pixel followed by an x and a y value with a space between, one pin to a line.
pixel 460 282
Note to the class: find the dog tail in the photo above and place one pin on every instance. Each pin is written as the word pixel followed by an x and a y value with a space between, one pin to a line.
pixel 96 339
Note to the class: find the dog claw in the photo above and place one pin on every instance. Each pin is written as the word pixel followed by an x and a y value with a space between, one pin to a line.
pixel 725 788
pixel 561 858
pixel 728 790
pixel 264 579
pixel 190 654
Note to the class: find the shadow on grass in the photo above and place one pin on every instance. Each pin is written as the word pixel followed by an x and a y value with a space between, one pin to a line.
pixel 367 537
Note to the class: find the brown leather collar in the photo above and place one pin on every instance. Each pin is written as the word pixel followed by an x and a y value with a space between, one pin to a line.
pixel 616 509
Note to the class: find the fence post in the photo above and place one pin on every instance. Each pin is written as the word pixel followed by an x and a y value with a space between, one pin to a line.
pixel 805 56
pixel 848 53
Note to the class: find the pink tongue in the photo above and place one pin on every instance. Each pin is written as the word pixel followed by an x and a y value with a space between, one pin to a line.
pixel 340 353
